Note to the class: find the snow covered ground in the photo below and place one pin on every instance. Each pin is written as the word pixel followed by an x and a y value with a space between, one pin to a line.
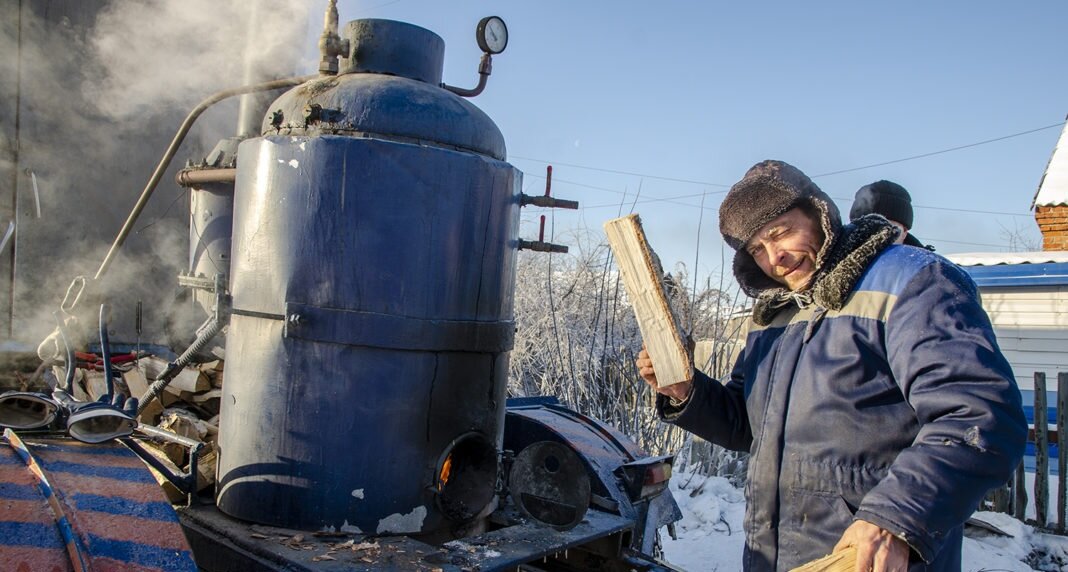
pixel 710 535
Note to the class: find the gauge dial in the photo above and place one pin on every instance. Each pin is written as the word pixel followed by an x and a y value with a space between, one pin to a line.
pixel 492 35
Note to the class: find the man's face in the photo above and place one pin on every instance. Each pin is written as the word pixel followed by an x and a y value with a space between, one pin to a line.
pixel 786 248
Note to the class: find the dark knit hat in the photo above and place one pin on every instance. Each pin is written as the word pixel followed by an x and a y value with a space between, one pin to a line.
pixel 769 189
pixel 886 198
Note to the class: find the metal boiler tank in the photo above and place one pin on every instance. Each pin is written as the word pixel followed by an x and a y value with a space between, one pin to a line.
pixel 373 268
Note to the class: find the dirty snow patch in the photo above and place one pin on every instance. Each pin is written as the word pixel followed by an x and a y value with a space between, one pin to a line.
pixel 403 523
pixel 480 552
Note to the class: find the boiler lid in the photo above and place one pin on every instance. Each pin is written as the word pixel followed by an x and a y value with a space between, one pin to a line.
pixel 376 105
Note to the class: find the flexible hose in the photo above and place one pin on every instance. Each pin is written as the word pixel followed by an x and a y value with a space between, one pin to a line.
pixel 176 366
pixel 165 161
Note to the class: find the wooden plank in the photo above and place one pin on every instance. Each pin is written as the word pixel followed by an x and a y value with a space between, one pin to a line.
pixel 844 560
pixel 1019 488
pixel 206 469
pixel 135 380
pixel 643 279
pixel 95 384
pixel 1041 451
pixel 189 379
pixel 1062 449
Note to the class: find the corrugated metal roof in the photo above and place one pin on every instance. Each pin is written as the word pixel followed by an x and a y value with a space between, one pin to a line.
pixel 995 258
pixel 1026 269
pixel 1053 188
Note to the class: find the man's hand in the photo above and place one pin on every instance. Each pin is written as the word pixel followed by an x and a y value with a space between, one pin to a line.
pixel 678 391
pixel 877 549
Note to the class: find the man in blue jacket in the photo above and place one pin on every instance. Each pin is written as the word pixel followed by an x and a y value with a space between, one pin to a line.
pixel 871 393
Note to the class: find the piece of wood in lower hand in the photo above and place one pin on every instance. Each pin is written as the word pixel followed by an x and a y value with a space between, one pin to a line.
pixel 842 561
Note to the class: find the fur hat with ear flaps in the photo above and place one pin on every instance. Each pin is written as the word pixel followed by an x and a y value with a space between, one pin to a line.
pixel 770 189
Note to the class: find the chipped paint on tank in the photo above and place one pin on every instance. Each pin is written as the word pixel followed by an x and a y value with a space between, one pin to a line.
pixel 402 523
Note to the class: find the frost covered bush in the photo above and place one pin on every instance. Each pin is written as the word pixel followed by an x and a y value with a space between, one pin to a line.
pixel 577 338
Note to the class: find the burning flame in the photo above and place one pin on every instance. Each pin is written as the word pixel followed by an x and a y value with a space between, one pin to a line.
pixel 445 470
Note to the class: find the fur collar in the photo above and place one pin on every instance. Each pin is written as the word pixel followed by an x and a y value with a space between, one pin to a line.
pixel 859 243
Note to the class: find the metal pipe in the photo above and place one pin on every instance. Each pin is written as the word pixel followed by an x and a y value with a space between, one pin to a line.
pixel 15 176
pixel 105 351
pixel 195 177
pixel 163 435
pixel 330 43
pixel 68 378
pixel 165 161
pixel 485 68
pixel 183 482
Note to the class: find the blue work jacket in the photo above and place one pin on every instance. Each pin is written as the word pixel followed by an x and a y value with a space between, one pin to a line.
pixel 897 408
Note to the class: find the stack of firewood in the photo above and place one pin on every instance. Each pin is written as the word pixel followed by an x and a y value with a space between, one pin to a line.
pixel 188 407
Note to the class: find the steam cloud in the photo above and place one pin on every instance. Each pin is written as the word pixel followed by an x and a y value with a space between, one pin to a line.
pixel 102 88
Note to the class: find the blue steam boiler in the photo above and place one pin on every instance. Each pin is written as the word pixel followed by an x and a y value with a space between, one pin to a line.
pixel 373 263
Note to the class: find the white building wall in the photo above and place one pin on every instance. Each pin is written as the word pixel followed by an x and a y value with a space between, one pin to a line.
pixel 1031 324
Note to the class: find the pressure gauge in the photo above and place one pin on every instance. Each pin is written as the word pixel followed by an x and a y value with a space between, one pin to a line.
pixel 492 35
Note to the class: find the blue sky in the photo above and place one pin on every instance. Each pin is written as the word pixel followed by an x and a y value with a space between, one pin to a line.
pixel 626 95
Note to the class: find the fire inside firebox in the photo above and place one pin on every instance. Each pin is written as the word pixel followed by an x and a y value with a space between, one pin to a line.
pixel 468 477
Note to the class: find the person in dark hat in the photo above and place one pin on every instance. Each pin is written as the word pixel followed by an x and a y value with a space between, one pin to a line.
pixel 871 394
pixel 893 202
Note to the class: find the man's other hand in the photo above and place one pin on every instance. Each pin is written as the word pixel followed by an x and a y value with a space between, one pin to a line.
pixel 877 549
pixel 678 391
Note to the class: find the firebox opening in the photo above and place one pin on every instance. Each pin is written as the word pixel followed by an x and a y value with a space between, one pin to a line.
pixel 466 477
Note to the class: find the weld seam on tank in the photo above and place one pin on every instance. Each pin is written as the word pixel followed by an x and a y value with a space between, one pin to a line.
pixel 389 331
pixel 297 131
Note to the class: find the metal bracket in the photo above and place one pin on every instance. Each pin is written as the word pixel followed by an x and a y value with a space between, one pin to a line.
pixel 201 282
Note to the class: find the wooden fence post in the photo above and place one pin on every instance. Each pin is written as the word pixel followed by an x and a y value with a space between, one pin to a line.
pixel 1041 451
pixel 1062 448
pixel 1019 488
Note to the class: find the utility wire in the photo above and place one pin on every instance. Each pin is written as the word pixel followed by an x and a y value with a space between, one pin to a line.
pixel 657 177
pixel 677 199
pixel 932 153
pixel 674 199
pixel 891 162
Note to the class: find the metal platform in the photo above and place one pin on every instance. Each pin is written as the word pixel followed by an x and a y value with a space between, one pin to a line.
pixel 222 543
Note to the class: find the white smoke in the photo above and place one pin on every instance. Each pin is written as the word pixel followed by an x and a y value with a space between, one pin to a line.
pixel 162 53
pixel 101 94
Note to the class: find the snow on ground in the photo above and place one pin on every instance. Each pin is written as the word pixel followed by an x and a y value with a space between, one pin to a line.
pixel 710 536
